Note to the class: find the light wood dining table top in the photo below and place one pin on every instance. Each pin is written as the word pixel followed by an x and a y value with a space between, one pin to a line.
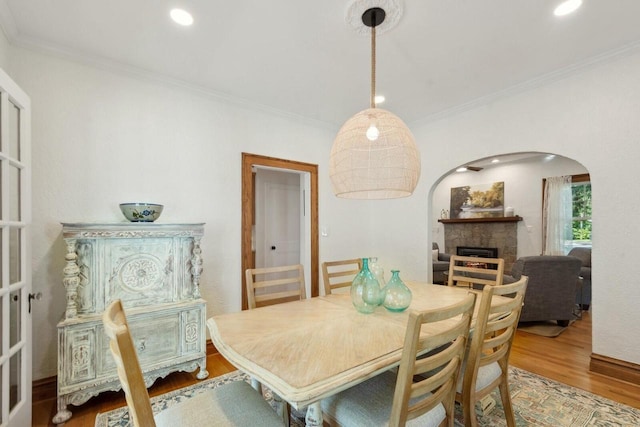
pixel 310 349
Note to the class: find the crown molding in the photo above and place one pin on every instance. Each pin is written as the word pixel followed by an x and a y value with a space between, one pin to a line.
pixel 101 63
pixel 542 80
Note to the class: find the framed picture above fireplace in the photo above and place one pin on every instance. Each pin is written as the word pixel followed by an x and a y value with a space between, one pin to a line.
pixel 477 201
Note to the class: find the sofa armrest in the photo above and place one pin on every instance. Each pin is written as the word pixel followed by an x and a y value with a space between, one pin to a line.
pixel 444 257
pixel 506 279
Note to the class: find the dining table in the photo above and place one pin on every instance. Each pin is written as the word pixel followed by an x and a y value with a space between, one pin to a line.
pixel 310 349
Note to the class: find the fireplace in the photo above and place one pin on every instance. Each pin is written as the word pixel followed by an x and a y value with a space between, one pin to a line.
pixel 501 233
pixel 479 252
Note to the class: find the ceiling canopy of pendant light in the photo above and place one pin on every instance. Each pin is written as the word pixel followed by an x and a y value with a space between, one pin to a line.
pixel 374 155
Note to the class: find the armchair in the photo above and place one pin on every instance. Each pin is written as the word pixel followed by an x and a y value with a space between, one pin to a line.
pixel 552 288
pixel 584 297
pixel 440 264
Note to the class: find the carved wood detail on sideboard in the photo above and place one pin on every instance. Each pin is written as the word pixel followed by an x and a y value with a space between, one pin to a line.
pixel 155 270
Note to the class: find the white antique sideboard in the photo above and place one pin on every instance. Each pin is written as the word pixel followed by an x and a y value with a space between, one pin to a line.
pixel 155 270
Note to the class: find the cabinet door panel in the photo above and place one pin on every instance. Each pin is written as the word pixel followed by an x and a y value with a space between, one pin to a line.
pixel 155 338
pixel 140 271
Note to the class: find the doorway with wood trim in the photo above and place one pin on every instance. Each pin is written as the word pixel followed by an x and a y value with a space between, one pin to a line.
pixel 309 178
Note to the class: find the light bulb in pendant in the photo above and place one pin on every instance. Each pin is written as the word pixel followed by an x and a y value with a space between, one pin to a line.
pixel 373 133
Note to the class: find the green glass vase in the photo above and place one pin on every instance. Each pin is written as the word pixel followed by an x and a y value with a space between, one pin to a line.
pixel 366 294
pixel 397 296
pixel 377 270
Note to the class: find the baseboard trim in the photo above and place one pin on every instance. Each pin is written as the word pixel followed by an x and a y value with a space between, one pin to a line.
pixel 614 368
pixel 44 389
pixel 47 388
pixel 211 349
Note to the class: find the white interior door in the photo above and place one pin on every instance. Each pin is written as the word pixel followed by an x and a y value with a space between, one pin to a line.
pixel 282 228
pixel 278 218
pixel 15 254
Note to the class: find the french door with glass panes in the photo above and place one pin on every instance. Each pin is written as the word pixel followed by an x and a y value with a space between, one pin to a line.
pixel 15 255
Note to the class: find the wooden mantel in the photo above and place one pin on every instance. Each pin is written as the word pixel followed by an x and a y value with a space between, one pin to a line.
pixel 471 220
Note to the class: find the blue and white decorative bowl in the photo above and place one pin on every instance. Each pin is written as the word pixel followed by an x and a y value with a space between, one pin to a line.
pixel 141 212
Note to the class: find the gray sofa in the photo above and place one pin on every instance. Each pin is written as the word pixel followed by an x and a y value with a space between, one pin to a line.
pixel 440 266
pixel 552 288
pixel 584 297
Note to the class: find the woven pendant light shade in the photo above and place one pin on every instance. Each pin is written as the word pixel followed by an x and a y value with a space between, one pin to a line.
pixel 374 155
pixel 386 167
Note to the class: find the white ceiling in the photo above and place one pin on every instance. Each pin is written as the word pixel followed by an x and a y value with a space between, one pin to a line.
pixel 301 57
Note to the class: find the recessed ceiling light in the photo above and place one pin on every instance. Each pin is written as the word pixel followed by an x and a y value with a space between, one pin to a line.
pixel 495 161
pixel 181 16
pixel 379 99
pixel 567 7
pixel 462 169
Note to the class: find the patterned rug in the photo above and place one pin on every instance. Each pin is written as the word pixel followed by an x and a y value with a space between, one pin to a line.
pixel 537 401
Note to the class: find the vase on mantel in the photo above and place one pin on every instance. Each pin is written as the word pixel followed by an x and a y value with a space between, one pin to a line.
pixel 397 296
pixel 365 290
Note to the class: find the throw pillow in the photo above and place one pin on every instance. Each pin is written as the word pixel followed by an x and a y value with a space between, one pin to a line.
pixel 434 254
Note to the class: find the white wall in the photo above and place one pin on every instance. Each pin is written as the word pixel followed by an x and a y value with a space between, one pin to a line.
pixel 591 117
pixel 522 191
pixel 101 138
pixel 5 53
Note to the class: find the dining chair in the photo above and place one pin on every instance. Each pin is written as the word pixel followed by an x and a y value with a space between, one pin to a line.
pixel 232 404
pixel 274 285
pixel 395 399
pixel 475 271
pixel 487 363
pixel 339 274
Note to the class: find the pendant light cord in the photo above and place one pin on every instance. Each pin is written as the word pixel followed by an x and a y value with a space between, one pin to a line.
pixel 373 66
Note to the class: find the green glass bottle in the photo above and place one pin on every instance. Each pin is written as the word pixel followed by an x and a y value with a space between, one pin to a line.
pixel 365 290
pixel 397 296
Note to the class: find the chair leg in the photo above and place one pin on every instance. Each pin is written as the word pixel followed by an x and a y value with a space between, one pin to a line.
pixel 469 412
pixel 506 403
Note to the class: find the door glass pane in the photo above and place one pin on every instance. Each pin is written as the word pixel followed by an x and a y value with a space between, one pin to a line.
pixel 2 397
pixel 14 132
pixel 14 193
pixel 15 388
pixel 1 258
pixel 14 318
pixel 15 273
pixel 1 324
pixel 2 190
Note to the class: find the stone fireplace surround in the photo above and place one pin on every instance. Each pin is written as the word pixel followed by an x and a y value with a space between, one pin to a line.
pixel 501 233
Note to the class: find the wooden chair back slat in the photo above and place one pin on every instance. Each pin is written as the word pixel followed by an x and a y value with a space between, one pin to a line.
pixel 265 289
pixel 475 271
pixel 431 380
pixel 339 274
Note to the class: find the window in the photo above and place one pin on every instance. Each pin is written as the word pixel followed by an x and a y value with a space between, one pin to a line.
pixel 581 208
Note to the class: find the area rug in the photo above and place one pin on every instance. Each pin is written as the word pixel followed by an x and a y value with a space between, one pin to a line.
pixel 545 329
pixel 537 401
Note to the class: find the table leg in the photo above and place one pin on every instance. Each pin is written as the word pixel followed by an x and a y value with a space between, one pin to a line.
pixel 282 408
pixel 314 415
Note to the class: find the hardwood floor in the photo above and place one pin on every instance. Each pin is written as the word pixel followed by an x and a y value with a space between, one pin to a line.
pixel 564 359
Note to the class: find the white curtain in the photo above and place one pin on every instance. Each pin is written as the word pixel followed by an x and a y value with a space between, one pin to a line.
pixel 557 215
